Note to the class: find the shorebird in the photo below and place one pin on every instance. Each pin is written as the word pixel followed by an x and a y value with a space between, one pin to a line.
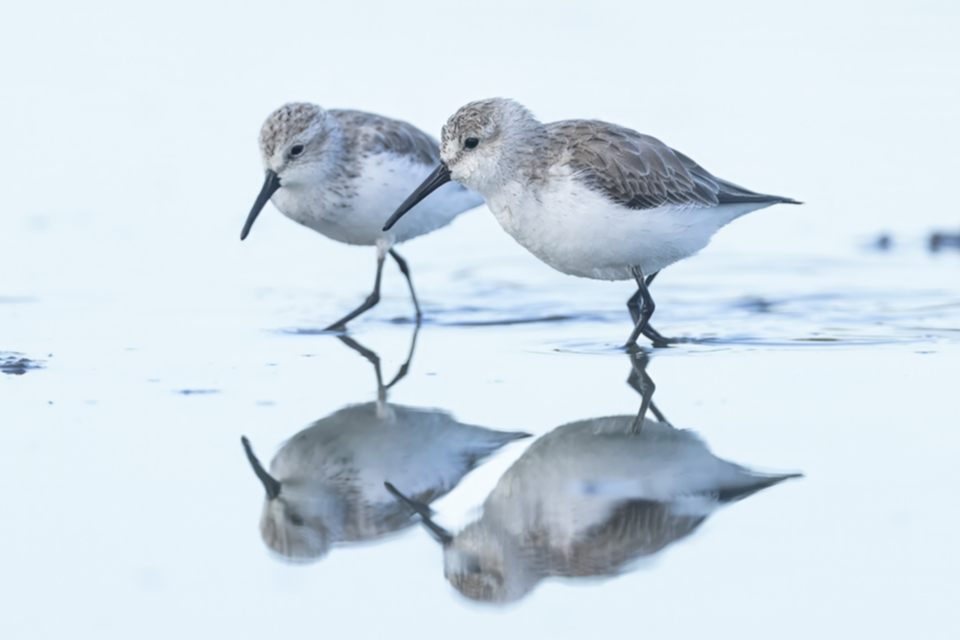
pixel 587 500
pixel 589 198
pixel 325 485
pixel 338 171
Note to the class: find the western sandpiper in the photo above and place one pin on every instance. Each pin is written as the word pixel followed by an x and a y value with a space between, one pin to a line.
pixel 589 198
pixel 339 171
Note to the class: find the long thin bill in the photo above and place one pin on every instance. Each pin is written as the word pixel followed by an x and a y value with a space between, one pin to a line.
pixel 270 185
pixel 423 511
pixel 270 484
pixel 439 177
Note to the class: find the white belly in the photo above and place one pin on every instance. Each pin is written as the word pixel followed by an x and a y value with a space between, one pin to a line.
pixel 580 232
pixel 354 212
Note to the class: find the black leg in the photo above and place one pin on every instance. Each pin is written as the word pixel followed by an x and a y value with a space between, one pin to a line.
pixel 374 359
pixel 369 303
pixel 642 384
pixel 402 372
pixel 633 304
pixel 405 270
pixel 657 338
pixel 371 356
pixel 646 308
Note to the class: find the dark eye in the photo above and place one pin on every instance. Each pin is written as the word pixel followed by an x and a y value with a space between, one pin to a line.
pixel 470 143
pixel 295 519
pixel 296 150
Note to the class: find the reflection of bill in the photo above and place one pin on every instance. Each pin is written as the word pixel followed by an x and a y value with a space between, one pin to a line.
pixel 587 499
pixel 326 484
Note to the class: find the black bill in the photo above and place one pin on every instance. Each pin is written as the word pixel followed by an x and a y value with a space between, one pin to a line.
pixel 441 534
pixel 270 185
pixel 270 484
pixel 439 177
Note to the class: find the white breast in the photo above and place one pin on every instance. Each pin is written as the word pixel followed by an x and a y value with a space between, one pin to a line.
pixel 354 211
pixel 582 233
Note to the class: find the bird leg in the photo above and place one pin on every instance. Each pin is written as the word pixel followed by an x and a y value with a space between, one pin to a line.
pixel 369 303
pixel 374 359
pixel 642 384
pixel 633 304
pixel 402 372
pixel 643 304
pixel 405 270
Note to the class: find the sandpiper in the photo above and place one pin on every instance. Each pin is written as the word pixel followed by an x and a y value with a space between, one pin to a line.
pixel 589 198
pixel 339 171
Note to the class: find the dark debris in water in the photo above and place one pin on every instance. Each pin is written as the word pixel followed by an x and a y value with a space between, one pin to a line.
pixel 190 392
pixel 15 364
pixel 757 305
pixel 940 240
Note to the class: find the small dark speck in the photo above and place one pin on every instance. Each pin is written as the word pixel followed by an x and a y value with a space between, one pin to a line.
pixel 308 355
pixel 924 352
pixel 190 392
pixel 883 243
pixel 431 374
pixel 265 403
pixel 271 364
pixel 49 401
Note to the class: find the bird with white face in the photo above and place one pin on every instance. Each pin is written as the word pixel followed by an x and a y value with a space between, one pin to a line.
pixel 338 171
pixel 589 198
pixel 325 488
pixel 588 500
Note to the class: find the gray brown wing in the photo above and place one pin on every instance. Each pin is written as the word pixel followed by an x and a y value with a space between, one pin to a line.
pixel 371 134
pixel 639 171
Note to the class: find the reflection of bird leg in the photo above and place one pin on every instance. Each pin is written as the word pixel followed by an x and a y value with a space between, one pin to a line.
pixel 366 353
pixel 406 365
pixel 642 384
pixel 374 359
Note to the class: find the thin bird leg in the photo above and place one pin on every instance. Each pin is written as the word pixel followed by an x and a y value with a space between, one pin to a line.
pixel 406 365
pixel 371 356
pixel 646 308
pixel 642 384
pixel 633 304
pixel 369 303
pixel 405 270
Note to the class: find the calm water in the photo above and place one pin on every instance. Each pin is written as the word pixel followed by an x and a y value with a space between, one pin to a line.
pixel 140 339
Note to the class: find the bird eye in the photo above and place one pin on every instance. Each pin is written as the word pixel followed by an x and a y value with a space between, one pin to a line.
pixel 296 520
pixel 296 150
pixel 470 143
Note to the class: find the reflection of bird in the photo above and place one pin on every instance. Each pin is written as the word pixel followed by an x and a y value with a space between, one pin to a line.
pixel 589 198
pixel 587 499
pixel 325 484
pixel 339 171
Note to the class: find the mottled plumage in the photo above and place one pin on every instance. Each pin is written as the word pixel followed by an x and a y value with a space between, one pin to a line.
pixel 339 171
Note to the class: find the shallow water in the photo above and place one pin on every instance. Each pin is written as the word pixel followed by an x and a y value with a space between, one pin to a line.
pixel 141 340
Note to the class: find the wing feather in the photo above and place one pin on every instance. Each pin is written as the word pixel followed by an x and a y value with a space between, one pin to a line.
pixel 373 134
pixel 638 170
